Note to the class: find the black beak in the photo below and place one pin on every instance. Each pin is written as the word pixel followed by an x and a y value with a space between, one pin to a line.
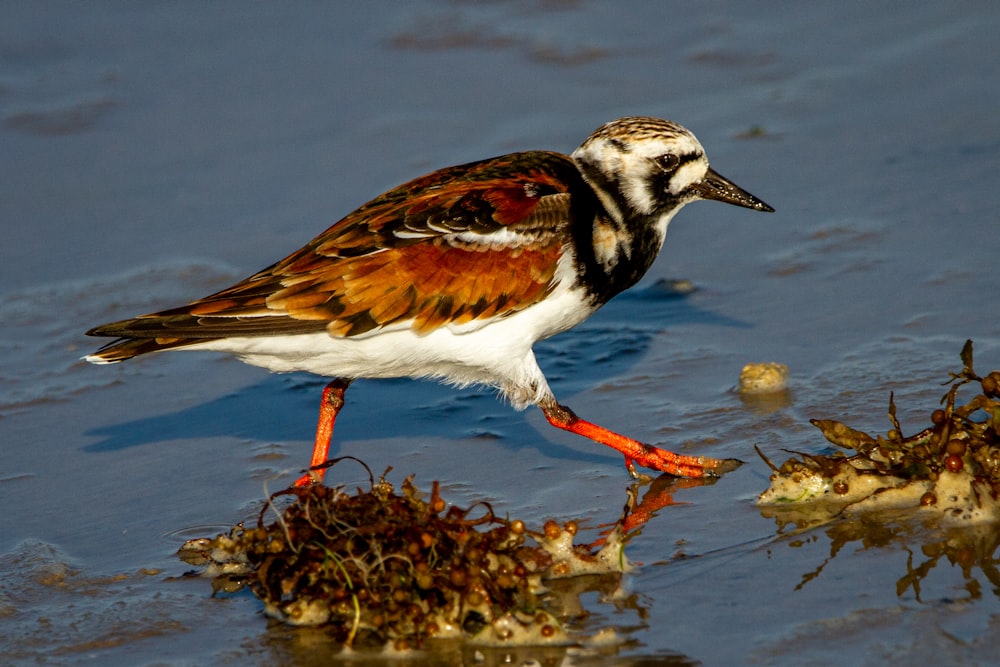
pixel 718 187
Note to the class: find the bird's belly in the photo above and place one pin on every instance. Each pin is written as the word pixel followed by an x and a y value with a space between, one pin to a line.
pixel 388 354
pixel 497 352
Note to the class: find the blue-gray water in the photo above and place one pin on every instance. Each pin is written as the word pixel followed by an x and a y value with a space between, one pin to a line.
pixel 154 153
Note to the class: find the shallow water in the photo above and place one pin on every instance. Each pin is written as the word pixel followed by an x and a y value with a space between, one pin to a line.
pixel 153 154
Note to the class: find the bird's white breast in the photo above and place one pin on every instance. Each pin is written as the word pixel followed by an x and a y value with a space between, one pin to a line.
pixel 495 352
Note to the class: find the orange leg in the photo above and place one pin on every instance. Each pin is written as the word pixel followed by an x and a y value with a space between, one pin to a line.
pixel 329 407
pixel 637 452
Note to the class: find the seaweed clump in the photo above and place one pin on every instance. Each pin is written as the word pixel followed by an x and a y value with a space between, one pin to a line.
pixel 951 467
pixel 385 569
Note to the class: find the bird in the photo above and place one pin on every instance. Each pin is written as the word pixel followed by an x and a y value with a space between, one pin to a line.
pixel 455 275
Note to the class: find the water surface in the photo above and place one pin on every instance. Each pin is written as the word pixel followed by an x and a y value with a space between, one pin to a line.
pixel 153 154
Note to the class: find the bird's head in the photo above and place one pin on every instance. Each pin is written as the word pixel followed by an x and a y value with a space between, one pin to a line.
pixel 652 167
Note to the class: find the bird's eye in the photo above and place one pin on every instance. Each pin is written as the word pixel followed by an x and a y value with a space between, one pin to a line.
pixel 667 162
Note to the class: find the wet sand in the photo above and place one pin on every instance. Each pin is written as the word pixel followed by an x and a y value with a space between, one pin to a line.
pixel 155 154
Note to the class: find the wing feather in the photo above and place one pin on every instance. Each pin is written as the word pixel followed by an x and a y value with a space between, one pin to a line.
pixel 471 242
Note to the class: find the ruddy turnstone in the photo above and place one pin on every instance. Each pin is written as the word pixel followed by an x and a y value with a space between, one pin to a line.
pixel 456 274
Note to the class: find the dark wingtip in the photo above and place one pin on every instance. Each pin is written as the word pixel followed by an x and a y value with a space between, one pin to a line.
pixel 126 348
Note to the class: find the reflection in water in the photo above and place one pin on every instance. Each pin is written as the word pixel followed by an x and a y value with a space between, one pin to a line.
pixel 767 403
pixel 968 548
pixel 660 494
pixel 971 548
pixel 305 647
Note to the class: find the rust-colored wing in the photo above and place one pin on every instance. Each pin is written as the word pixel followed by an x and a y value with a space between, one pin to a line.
pixel 471 242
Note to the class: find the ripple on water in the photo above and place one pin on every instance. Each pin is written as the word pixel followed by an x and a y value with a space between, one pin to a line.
pixel 41 336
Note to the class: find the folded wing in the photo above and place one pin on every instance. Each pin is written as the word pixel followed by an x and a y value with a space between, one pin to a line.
pixel 466 243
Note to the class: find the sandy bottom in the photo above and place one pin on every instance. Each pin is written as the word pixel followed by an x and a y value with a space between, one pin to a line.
pixel 152 154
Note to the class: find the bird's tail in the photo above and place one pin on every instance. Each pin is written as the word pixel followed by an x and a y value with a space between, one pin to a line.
pixel 126 348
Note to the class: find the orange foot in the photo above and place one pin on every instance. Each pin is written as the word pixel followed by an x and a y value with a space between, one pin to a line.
pixel 637 452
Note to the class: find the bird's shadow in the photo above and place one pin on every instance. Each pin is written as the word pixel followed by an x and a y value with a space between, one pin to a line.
pixel 283 408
